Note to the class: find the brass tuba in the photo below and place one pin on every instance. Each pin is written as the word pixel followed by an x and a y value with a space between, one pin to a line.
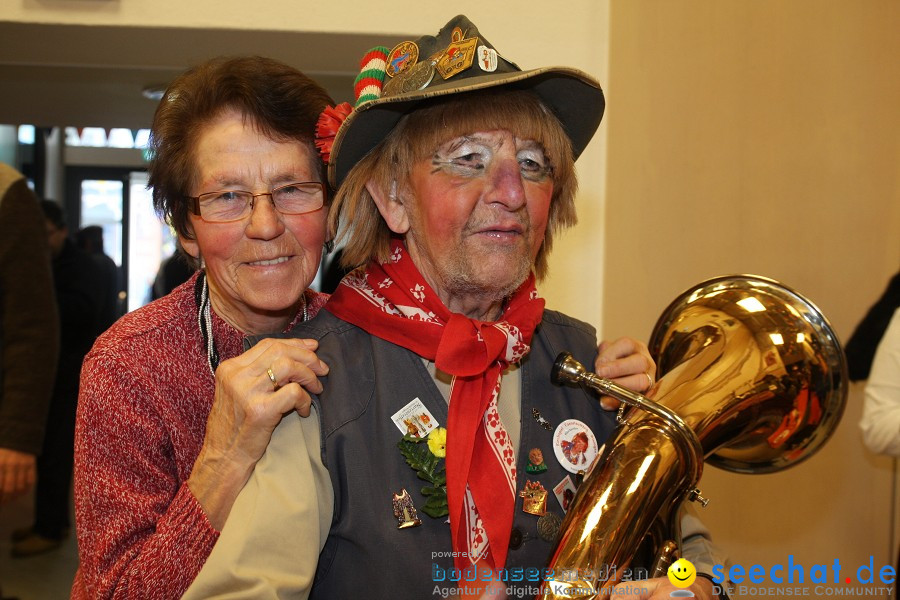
pixel 752 378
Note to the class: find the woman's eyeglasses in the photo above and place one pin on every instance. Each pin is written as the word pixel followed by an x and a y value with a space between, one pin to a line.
pixel 233 205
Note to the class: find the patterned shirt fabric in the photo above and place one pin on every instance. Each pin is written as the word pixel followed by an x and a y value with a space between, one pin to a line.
pixel 880 422
pixel 146 393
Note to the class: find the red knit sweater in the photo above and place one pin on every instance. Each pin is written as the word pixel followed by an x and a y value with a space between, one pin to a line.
pixel 146 392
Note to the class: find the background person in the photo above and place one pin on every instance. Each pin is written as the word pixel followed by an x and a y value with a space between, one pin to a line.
pixel 860 348
pixel 90 239
pixel 880 421
pixel 78 287
pixel 173 271
pixel 172 416
pixel 451 199
pixel 29 333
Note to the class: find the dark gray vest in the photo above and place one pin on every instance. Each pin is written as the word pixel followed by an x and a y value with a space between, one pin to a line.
pixel 366 554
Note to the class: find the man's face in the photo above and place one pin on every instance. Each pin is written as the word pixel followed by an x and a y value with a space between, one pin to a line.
pixel 477 211
pixel 56 237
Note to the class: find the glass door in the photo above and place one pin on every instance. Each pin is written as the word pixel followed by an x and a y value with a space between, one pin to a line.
pixel 150 242
pixel 117 200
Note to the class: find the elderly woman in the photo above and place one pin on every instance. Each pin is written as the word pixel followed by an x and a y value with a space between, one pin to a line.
pixel 453 184
pixel 172 416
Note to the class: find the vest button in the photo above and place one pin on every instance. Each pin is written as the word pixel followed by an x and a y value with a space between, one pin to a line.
pixel 515 539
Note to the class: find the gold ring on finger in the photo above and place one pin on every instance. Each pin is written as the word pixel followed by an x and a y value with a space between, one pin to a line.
pixel 273 379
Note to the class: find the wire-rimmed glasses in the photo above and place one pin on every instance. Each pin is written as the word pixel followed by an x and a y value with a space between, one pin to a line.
pixel 224 206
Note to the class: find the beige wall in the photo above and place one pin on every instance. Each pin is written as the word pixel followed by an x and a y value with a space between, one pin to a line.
pixel 350 16
pixel 761 137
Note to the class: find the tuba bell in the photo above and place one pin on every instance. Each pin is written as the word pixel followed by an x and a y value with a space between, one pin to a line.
pixel 751 378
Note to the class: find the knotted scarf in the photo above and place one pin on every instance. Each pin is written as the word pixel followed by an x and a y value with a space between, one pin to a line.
pixel 392 301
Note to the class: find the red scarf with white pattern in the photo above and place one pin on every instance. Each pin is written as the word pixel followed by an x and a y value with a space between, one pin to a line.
pixel 392 301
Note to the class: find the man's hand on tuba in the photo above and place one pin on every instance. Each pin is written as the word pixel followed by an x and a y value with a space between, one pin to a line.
pixel 625 361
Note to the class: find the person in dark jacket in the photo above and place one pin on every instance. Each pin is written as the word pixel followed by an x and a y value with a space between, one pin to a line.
pixel 90 240
pixel 861 346
pixel 29 334
pixel 173 271
pixel 78 283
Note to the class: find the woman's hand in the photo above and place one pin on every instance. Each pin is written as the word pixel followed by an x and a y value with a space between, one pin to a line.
pixel 247 407
pixel 625 361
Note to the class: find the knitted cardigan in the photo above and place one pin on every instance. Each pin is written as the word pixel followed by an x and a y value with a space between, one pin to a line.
pixel 146 392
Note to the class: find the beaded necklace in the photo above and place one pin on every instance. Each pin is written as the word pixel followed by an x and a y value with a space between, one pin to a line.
pixel 204 321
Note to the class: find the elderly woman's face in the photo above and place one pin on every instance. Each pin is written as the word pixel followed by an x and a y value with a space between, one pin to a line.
pixel 478 211
pixel 258 267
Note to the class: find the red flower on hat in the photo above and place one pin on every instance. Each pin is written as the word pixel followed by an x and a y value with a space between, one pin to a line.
pixel 327 127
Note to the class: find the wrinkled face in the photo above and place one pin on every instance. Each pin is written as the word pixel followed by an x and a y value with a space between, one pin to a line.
pixel 477 211
pixel 257 267
pixel 536 456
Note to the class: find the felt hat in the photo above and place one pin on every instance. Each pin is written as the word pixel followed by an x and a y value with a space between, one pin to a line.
pixel 455 61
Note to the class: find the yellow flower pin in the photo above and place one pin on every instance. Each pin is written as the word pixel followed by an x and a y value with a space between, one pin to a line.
pixel 427 460
pixel 437 442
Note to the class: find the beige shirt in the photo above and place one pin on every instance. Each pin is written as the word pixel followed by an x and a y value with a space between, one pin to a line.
pixel 263 554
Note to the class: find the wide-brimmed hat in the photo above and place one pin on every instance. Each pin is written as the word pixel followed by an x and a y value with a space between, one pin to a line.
pixel 457 60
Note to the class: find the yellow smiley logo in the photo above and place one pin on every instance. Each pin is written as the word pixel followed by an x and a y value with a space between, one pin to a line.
pixel 682 573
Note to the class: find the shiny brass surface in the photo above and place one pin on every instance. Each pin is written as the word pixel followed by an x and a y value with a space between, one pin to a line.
pixel 751 377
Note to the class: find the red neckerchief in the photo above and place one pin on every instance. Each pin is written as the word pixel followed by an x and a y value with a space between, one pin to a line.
pixel 392 301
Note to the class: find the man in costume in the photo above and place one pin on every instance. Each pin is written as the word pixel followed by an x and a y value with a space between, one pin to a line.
pixel 454 176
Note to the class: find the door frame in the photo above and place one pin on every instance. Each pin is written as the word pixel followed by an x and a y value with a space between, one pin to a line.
pixel 77 174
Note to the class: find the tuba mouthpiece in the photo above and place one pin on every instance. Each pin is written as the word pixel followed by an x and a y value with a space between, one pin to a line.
pixel 566 369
